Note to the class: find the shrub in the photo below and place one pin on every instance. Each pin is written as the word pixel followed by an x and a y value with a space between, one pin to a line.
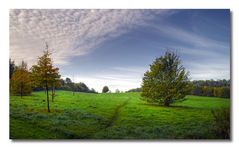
pixel 222 123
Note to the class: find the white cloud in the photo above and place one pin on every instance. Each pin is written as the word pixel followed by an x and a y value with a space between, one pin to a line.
pixel 69 32
pixel 207 71
pixel 214 54
pixel 189 37
pixel 78 32
pixel 115 78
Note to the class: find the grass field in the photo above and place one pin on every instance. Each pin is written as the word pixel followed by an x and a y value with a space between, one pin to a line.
pixel 111 116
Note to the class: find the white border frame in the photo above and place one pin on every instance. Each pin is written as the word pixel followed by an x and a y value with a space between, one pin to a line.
pixel 6 143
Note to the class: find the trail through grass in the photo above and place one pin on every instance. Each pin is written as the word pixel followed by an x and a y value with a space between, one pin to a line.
pixel 111 116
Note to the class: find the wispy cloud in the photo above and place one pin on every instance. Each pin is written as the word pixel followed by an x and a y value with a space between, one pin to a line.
pixel 212 57
pixel 210 71
pixel 188 37
pixel 68 32
pixel 77 33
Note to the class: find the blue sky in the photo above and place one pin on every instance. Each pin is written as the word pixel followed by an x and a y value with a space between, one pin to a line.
pixel 115 47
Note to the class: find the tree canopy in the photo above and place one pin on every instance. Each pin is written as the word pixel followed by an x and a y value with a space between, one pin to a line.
pixel 45 74
pixel 166 81
pixel 105 89
pixel 20 83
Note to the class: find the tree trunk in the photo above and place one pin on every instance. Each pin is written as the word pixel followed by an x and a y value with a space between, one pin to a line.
pixel 166 103
pixel 48 104
pixel 52 94
pixel 21 89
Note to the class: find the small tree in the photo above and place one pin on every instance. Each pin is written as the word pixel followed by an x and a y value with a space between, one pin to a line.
pixel 105 89
pixel 92 90
pixel 20 83
pixel 166 81
pixel 45 75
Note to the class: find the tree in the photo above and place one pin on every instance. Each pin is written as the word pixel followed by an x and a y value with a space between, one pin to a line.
pixel 20 83
pixel 117 91
pixel 166 81
pixel 12 68
pixel 92 90
pixel 68 81
pixel 81 87
pixel 45 75
pixel 105 89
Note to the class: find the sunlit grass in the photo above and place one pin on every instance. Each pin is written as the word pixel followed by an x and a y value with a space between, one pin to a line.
pixel 111 116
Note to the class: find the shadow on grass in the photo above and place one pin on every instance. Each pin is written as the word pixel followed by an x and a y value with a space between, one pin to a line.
pixel 171 106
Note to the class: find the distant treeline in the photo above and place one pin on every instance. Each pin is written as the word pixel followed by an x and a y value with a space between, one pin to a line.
pixel 219 88
pixel 68 85
pixel 212 88
pixel 22 82
pixel 134 90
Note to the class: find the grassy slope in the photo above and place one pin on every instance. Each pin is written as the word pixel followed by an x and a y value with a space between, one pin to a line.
pixel 109 116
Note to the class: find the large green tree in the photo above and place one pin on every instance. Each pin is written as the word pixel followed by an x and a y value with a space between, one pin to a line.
pixel 166 81
pixel 46 75
pixel 20 83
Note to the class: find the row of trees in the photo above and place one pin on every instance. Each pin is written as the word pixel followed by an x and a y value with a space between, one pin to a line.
pixel 68 85
pixel 134 90
pixel 219 88
pixel 43 75
pixel 223 92
pixel 20 79
pixel 165 82
pixel 212 88
pixel 22 82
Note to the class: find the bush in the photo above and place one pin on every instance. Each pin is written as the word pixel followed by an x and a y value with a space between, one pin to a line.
pixel 222 123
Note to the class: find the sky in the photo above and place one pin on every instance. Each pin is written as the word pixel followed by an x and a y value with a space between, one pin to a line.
pixel 116 47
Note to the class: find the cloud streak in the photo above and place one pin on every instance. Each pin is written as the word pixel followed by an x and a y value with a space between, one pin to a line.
pixel 112 35
pixel 69 32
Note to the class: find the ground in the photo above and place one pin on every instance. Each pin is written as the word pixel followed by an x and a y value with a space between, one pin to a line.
pixel 111 116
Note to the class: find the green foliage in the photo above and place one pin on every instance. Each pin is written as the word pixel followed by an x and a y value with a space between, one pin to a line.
pixel 81 87
pixel 105 89
pixel 45 75
pixel 166 81
pixel 112 116
pixel 68 85
pixel 222 122
pixel 223 92
pixel 135 90
pixel 20 83
pixel 218 88
pixel 212 83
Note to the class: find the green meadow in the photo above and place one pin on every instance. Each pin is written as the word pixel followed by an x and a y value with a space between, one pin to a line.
pixel 111 116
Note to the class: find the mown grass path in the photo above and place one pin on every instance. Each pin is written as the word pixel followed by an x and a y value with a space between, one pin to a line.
pixel 116 114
